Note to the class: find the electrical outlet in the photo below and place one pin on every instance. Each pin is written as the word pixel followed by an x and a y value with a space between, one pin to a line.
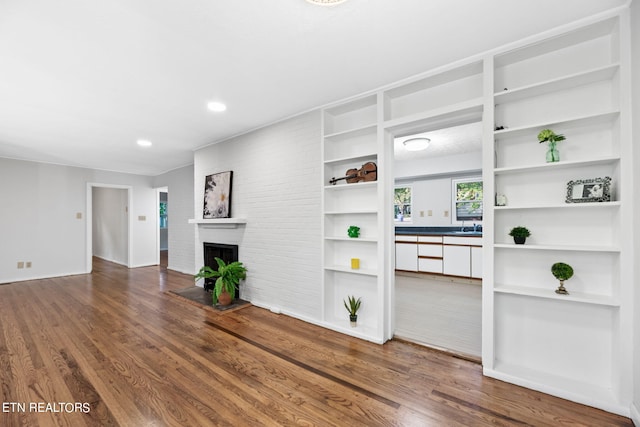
pixel 78 215
pixel 20 264
pixel 142 218
pixel 429 212
pixel 27 264
pixel 446 214
pixel 421 213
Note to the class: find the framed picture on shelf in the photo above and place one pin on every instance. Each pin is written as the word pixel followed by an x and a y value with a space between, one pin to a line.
pixel 589 190
pixel 217 195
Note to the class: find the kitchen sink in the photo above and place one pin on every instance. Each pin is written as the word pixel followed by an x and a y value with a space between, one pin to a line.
pixel 469 233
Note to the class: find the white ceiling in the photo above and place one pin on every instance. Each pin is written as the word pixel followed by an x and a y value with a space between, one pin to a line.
pixel 444 142
pixel 81 81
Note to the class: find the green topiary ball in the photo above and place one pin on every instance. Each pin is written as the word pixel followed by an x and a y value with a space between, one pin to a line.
pixel 562 271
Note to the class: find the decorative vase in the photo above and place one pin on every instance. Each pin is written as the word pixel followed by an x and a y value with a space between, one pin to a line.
pixel 553 155
pixel 353 318
pixel 561 290
pixel 519 240
pixel 224 298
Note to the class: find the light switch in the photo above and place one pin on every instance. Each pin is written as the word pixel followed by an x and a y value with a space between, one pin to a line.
pixel 446 214
pixel 142 218
pixel 429 212
pixel 421 213
pixel 79 215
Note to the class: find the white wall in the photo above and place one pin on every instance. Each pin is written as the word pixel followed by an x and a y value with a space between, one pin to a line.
pixel 430 180
pixel 635 45
pixel 110 224
pixel 38 218
pixel 180 209
pixel 276 187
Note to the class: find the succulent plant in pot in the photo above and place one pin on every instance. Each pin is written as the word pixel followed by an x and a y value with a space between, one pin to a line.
pixel 519 234
pixel 352 305
pixel 562 272
pixel 227 277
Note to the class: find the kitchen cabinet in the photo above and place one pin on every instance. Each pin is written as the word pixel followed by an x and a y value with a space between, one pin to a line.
pixel 476 262
pixel 438 254
pixel 457 261
pixel 430 254
pixel 407 253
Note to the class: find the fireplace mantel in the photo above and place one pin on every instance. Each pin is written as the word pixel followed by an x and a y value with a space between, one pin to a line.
pixel 219 222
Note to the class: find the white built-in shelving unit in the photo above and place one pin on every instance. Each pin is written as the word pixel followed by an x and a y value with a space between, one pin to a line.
pixel 576 345
pixel 350 139
pixel 574 80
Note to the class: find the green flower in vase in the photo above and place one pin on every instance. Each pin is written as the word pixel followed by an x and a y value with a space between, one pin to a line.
pixel 550 137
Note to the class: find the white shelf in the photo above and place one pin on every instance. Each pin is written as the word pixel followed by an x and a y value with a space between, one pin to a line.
pixel 557 165
pixel 355 159
pixel 568 388
pixel 558 126
pixel 369 128
pixel 441 117
pixel 563 206
pixel 219 222
pixel 354 212
pixel 352 239
pixel 554 85
pixel 550 293
pixel 344 269
pixel 351 186
pixel 360 331
pixel 575 248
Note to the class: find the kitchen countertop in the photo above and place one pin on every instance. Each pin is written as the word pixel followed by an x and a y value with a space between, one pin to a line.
pixel 439 231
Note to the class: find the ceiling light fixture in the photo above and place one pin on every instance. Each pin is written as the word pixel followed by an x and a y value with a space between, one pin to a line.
pixel 416 144
pixel 326 2
pixel 216 107
pixel 144 143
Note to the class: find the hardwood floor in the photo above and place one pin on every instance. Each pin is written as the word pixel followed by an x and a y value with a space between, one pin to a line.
pixel 115 344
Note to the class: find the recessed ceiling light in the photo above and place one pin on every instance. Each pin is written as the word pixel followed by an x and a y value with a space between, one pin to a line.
pixel 326 2
pixel 144 143
pixel 416 144
pixel 216 107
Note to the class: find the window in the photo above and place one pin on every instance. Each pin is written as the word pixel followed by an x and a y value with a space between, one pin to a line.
pixel 467 199
pixel 402 204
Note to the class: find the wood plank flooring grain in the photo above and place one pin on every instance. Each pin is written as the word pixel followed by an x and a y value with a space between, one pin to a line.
pixel 115 340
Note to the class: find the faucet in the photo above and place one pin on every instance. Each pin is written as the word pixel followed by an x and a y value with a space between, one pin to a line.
pixel 462 228
pixel 475 227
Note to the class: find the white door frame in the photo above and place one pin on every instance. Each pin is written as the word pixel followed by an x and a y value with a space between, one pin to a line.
pixel 158 191
pixel 89 221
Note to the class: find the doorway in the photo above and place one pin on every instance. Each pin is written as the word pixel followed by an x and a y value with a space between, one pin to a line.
pixel 163 226
pixel 108 224
pixel 433 308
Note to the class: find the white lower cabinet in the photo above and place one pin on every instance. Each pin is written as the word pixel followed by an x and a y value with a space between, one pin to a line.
pixel 476 262
pixel 448 255
pixel 457 260
pixel 407 256
pixel 430 265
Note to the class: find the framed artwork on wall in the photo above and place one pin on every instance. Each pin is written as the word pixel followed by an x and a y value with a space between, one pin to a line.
pixel 217 195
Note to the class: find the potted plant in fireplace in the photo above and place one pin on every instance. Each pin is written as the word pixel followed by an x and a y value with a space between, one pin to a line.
pixel 227 277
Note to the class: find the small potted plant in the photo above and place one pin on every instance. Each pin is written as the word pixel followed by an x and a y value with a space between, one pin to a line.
pixel 519 234
pixel 352 307
pixel 551 138
pixel 353 231
pixel 562 272
pixel 227 276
